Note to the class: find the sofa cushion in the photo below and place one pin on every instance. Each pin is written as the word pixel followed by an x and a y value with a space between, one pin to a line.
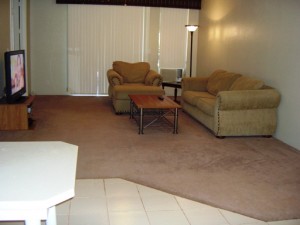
pixel 206 105
pixel 192 97
pixel 220 81
pixel 246 83
pixel 132 72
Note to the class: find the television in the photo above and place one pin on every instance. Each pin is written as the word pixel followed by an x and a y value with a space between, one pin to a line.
pixel 15 76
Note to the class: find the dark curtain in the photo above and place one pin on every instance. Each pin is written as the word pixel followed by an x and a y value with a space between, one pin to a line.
pixel 183 4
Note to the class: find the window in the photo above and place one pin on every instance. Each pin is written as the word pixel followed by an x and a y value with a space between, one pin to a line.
pixel 172 38
pixel 99 35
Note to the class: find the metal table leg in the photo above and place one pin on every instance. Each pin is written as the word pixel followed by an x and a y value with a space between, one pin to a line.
pixel 175 94
pixel 131 109
pixel 175 128
pixel 141 126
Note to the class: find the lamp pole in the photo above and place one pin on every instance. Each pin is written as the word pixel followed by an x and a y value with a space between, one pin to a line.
pixel 191 28
pixel 191 58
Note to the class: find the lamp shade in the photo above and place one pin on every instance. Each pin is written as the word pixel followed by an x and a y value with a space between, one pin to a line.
pixel 191 28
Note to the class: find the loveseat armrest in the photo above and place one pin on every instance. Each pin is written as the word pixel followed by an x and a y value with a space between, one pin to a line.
pixel 248 99
pixel 194 84
pixel 114 78
pixel 153 78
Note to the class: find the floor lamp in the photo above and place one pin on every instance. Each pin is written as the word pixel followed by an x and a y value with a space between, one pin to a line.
pixel 191 28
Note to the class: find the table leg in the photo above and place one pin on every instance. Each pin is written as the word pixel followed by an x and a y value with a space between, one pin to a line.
pixel 141 126
pixel 51 220
pixel 175 94
pixel 131 109
pixel 175 130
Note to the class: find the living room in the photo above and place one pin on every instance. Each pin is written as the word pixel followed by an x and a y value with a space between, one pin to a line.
pixel 258 39
pixel 267 56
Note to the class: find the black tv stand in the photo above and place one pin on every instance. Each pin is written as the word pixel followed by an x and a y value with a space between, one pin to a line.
pixel 20 100
pixel 3 100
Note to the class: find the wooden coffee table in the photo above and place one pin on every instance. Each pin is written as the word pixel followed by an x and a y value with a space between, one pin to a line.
pixel 147 103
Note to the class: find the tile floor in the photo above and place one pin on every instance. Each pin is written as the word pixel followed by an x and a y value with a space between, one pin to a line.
pixel 120 202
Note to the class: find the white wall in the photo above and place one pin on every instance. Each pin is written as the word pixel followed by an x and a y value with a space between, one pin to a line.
pixel 48 45
pixel 259 38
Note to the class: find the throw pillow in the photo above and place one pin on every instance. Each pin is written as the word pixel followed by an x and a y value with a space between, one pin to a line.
pixel 220 80
pixel 246 83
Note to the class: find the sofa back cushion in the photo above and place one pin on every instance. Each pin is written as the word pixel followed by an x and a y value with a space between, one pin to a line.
pixel 132 72
pixel 220 80
pixel 246 83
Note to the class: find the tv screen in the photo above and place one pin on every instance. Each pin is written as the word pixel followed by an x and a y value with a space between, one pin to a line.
pixel 15 75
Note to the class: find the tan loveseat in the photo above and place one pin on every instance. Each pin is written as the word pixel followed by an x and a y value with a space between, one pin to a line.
pixel 131 78
pixel 230 104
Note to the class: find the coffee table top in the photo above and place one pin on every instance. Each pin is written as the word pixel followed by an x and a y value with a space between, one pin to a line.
pixel 153 102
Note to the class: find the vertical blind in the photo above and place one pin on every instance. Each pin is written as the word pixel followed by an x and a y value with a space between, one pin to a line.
pixel 97 36
pixel 172 38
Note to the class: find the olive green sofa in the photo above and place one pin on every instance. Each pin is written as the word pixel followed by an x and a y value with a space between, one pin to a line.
pixel 230 104
pixel 131 78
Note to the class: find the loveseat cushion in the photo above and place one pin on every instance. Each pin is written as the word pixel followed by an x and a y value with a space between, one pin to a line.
pixel 246 83
pixel 192 97
pixel 132 72
pixel 220 80
pixel 206 105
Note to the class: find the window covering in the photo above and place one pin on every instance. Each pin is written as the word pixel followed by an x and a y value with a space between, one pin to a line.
pixel 97 36
pixel 173 38
pixel 184 4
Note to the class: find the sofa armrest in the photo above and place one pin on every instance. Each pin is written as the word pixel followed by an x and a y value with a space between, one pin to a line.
pixel 153 78
pixel 194 84
pixel 248 99
pixel 114 78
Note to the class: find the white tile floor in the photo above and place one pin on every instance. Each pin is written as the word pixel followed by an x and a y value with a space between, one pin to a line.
pixel 119 202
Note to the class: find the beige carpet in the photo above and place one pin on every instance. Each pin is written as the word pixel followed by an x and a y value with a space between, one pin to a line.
pixel 257 177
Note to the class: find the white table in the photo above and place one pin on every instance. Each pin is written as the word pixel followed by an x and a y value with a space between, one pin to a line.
pixel 34 177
